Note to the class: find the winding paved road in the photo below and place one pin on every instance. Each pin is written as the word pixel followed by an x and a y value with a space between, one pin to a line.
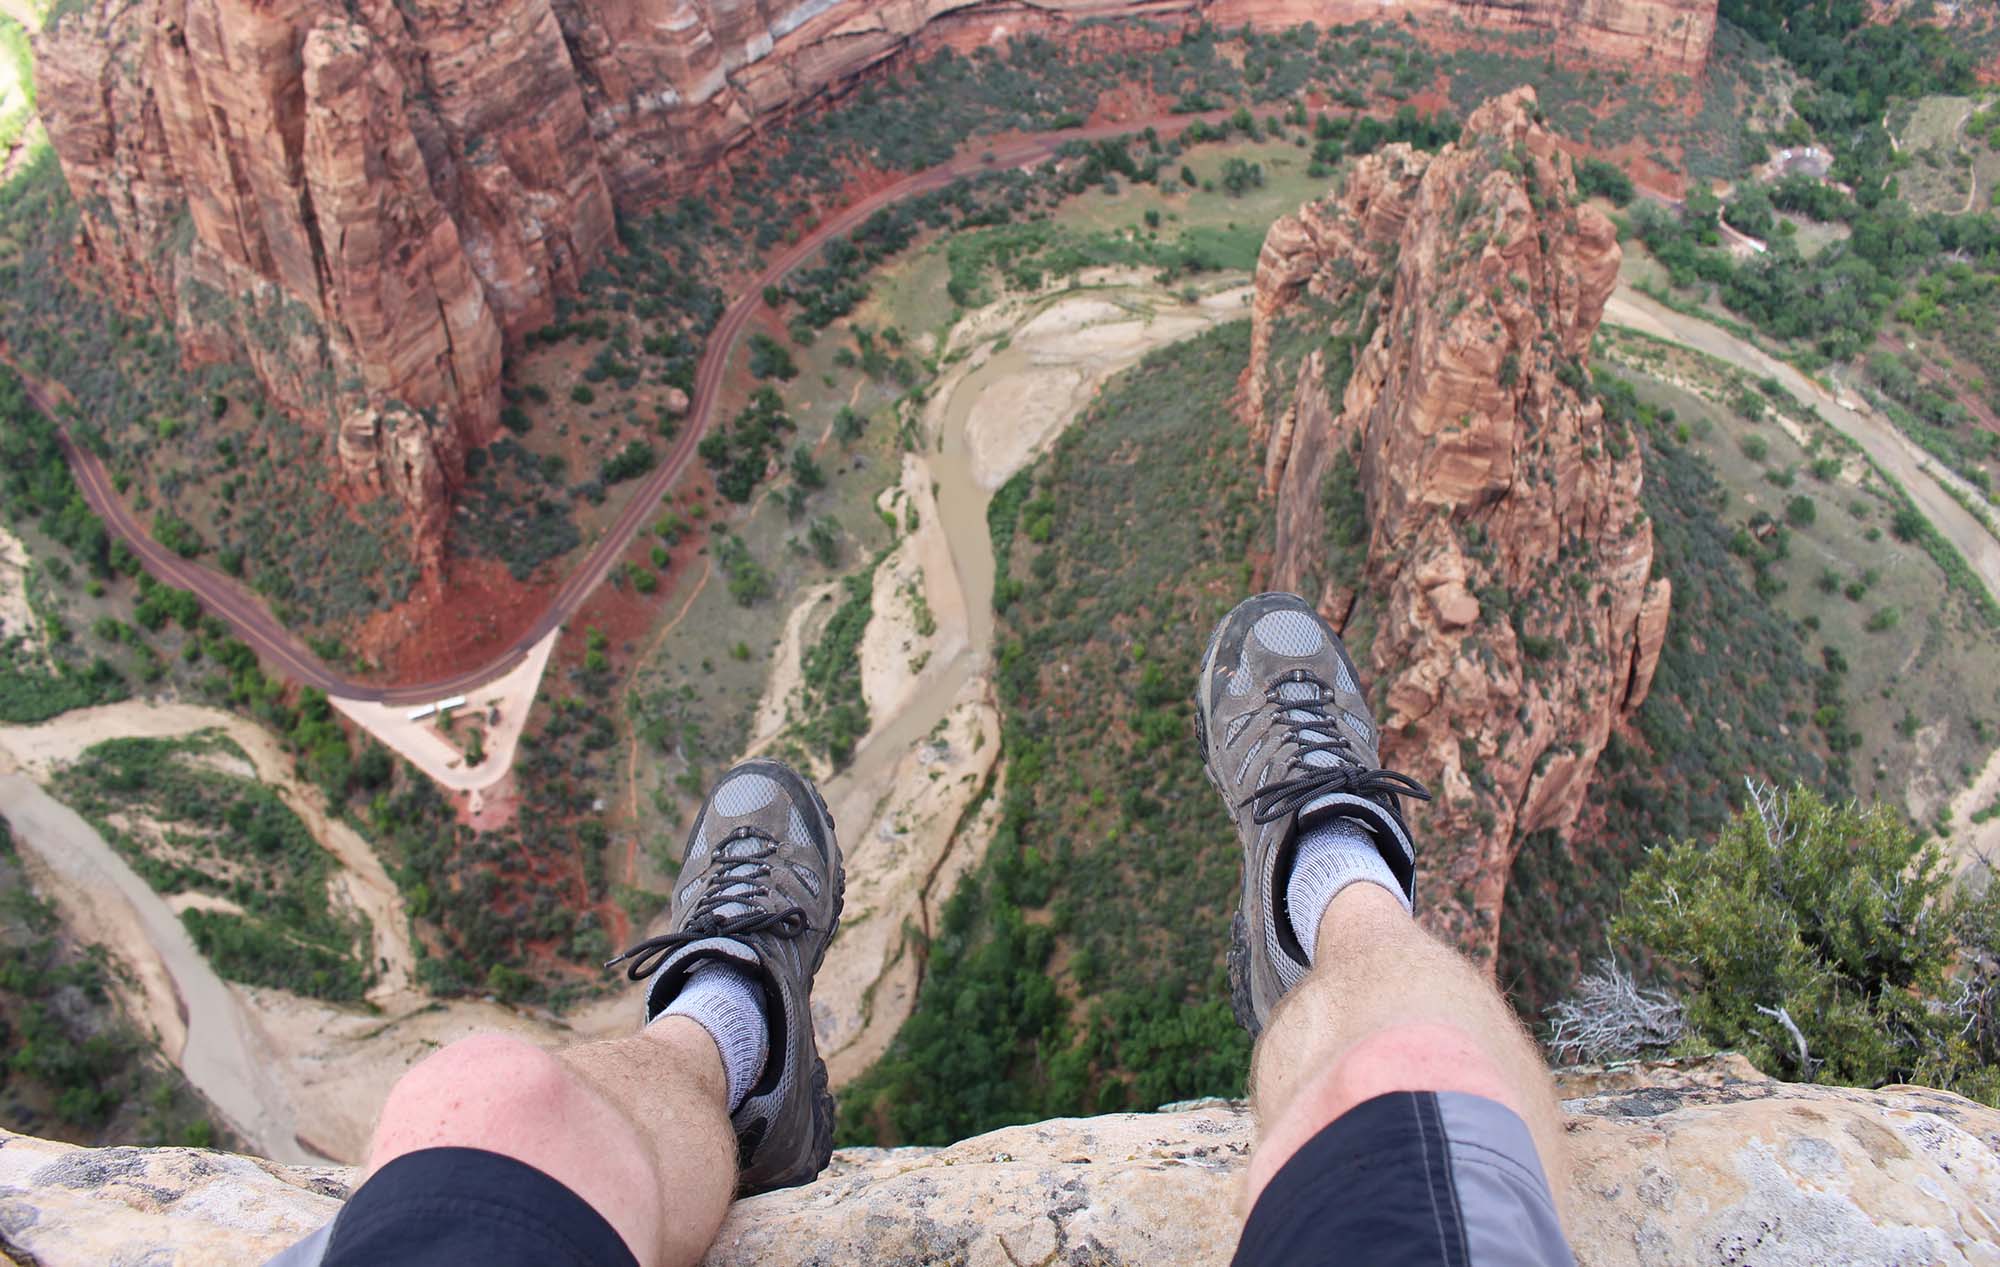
pixel 246 615
pixel 249 619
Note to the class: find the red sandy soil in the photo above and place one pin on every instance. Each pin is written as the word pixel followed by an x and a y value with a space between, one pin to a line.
pixel 1129 103
pixel 497 806
pixel 478 611
pixel 1633 156
pixel 624 614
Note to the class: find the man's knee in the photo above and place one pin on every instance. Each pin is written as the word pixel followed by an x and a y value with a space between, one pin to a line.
pixel 486 1091
pixel 1420 1056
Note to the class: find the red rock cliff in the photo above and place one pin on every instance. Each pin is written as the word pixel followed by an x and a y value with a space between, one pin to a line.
pixel 367 199
pixel 1421 334
pixel 1665 37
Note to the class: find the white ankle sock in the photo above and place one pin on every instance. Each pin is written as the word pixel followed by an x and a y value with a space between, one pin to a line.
pixel 728 1002
pixel 1331 856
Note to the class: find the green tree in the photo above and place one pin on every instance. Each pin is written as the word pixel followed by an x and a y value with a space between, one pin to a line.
pixel 1820 940
pixel 1240 176
pixel 824 537
pixel 806 471
pixel 1750 211
pixel 770 359
pixel 1595 177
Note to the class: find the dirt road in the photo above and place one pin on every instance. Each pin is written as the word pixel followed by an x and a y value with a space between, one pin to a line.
pixel 249 619
pixel 1918 473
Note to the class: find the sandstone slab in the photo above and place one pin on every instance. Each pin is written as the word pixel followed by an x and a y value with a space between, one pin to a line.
pixel 1697 1164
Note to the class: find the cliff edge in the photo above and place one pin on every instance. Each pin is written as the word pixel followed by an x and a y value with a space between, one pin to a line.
pixel 1701 1163
pixel 1448 490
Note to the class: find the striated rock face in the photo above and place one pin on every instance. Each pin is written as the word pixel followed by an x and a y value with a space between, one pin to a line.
pixel 1421 336
pixel 1664 37
pixel 1702 1164
pixel 363 200
pixel 366 199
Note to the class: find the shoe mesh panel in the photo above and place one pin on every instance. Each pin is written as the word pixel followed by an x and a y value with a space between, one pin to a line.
pixel 1297 635
pixel 744 794
pixel 807 878
pixel 1288 633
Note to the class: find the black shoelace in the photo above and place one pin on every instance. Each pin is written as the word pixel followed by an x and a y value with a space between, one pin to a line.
pixel 1308 726
pixel 733 879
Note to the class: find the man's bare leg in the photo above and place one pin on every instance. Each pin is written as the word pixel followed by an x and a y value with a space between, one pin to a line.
pixel 637 1126
pixel 1389 1008
pixel 641 1140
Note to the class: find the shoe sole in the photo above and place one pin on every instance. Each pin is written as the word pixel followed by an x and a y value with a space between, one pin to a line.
pixel 823 1104
pixel 823 1101
pixel 1239 937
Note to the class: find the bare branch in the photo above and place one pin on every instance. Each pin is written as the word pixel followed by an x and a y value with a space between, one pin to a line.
pixel 1784 1018
pixel 1610 1018
pixel 1977 1007
pixel 1774 811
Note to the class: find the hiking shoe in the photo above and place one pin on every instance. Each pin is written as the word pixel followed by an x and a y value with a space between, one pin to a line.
pixel 760 886
pixel 1288 740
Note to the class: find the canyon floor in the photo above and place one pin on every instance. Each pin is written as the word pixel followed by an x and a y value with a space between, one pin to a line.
pixel 301 1078
pixel 916 802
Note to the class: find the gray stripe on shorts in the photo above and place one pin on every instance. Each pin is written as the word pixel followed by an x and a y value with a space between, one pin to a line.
pixel 1510 1217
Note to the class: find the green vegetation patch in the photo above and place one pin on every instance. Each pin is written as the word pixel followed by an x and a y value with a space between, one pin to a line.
pixel 739 453
pixel 199 455
pixel 835 716
pixel 1081 967
pixel 73 1068
pixel 1732 697
pixel 1827 943
pixel 1024 256
pixel 1809 642
pixel 30 692
pixel 191 825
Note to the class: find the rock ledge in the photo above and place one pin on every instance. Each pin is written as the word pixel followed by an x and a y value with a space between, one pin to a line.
pixel 1705 1162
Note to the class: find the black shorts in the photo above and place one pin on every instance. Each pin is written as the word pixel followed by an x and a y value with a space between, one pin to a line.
pixel 447 1207
pixel 1414 1179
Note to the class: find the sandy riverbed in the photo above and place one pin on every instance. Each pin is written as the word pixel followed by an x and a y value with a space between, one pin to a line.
pixel 363 882
pixel 17 618
pixel 1020 371
pixel 298 1078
